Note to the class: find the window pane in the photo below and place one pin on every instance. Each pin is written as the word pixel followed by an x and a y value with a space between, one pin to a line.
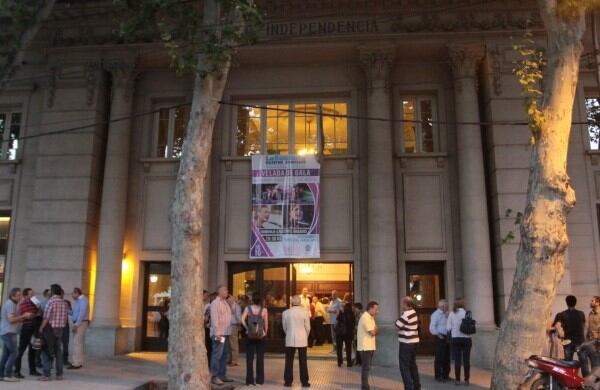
pixel 163 133
pixel 182 117
pixel 4 229
pixel 335 128
pixel 306 129
pixel 592 107
pixel 13 142
pixel 410 128
pixel 248 131
pixel 426 118
pixel 277 129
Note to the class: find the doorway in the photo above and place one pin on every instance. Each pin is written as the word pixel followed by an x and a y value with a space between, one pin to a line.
pixel 277 282
pixel 425 284
pixel 157 297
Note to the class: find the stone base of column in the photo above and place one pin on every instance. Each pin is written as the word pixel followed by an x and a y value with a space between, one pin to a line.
pixel 484 346
pixel 386 354
pixel 108 341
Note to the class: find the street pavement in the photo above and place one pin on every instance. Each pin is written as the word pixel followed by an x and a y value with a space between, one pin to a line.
pixel 131 371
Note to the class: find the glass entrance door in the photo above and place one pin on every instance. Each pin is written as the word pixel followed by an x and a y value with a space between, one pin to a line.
pixel 157 297
pixel 425 284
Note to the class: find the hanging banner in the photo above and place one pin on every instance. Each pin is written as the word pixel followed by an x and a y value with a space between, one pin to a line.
pixel 285 207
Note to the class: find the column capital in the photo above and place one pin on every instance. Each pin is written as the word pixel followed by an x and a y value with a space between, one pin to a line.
pixel 464 59
pixel 377 62
pixel 124 74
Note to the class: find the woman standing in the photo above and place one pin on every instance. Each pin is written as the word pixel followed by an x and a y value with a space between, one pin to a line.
pixel 255 320
pixel 344 333
pixel 461 343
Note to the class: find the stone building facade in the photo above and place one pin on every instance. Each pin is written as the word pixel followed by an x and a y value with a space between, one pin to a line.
pixel 420 208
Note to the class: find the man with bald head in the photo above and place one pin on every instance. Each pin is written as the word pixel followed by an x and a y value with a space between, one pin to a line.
pixel 296 325
pixel 220 330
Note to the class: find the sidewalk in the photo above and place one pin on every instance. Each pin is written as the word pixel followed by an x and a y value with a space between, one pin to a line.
pixel 131 371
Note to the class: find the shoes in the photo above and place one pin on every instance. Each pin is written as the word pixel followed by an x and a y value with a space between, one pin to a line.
pixel 72 367
pixel 306 385
pixel 457 383
pixel 287 385
pixel 44 379
pixel 350 365
pixel 233 364
pixel 34 373
pixel 11 379
pixel 467 383
pixel 225 379
pixel 59 378
pixel 217 381
pixel 339 364
pixel 18 375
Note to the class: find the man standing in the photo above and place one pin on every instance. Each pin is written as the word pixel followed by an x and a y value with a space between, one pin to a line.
pixel 207 339
pixel 573 323
pixel 593 331
pixel 220 331
pixel 56 314
pixel 365 341
pixel 408 336
pixel 305 300
pixel 296 325
pixel 81 321
pixel 335 306
pixel 234 341
pixel 437 328
pixel 27 330
pixel 8 332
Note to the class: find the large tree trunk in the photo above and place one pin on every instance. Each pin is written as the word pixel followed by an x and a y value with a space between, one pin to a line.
pixel 544 240
pixel 188 363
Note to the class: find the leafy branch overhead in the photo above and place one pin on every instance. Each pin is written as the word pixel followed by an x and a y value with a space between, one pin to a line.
pixel 179 25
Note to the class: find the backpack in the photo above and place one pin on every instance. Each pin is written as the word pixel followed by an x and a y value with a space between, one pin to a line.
pixel 340 325
pixel 255 325
pixel 467 326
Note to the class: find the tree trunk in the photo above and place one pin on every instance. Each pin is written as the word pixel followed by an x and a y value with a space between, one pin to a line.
pixel 544 240
pixel 188 363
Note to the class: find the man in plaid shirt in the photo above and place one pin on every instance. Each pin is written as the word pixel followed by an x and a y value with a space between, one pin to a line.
pixel 55 319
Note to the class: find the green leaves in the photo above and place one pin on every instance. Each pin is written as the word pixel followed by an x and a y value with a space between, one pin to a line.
pixel 178 24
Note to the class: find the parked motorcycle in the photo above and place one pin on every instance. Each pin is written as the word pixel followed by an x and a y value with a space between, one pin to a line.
pixel 546 373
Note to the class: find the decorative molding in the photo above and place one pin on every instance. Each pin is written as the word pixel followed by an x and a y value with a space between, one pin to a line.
pixel 377 63
pixel 496 68
pixel 91 77
pixel 464 60
pixel 124 74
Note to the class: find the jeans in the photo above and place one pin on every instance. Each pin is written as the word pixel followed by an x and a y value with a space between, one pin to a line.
pixel 441 363
pixel 9 354
pixel 53 350
pixel 407 357
pixel 340 341
pixel 27 331
pixel 255 347
pixel 570 350
pixel 288 375
pixel 365 371
pixel 461 350
pixel 219 358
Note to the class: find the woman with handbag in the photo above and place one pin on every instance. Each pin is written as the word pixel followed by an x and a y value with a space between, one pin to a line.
pixel 461 342
pixel 255 321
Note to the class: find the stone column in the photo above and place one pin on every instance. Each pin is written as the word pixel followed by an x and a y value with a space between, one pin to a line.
pixel 383 270
pixel 106 322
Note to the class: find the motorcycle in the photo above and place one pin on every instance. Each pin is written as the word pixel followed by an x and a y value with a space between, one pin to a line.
pixel 546 373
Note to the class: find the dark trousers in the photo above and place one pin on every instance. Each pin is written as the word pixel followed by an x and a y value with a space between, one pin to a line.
pixel 319 336
pixel 365 371
pixel 288 375
pixel 65 339
pixel 407 357
pixel 441 363
pixel 208 343
pixel 53 350
pixel 255 347
pixel 24 340
pixel 582 355
pixel 461 350
pixel 340 342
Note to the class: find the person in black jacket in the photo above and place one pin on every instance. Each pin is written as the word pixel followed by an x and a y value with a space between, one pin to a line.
pixel 573 323
pixel 344 333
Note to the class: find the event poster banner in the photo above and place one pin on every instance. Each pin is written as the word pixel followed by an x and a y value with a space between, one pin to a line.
pixel 285 207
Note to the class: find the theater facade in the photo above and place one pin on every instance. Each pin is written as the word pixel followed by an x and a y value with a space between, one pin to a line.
pixel 424 167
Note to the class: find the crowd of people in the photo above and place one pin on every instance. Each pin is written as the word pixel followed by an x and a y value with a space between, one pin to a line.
pixel 42 327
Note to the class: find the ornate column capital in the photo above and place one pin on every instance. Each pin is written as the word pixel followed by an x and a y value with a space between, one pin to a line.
pixel 464 59
pixel 377 62
pixel 124 74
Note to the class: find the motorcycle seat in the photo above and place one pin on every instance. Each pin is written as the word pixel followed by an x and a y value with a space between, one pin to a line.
pixel 559 362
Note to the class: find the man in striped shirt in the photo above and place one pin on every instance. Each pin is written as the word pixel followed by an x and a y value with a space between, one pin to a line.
pixel 408 337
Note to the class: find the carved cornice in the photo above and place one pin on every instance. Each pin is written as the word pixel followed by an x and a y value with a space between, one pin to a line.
pixel 124 75
pixel 74 74
pixel 377 63
pixel 464 60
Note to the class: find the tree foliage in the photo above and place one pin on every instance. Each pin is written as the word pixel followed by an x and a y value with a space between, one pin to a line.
pixel 178 24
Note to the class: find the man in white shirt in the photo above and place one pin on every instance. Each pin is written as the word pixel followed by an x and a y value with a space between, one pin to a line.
pixel 220 331
pixel 296 325
pixel 236 318
pixel 437 327
pixel 366 342
pixel 408 337
pixel 335 307
pixel 305 300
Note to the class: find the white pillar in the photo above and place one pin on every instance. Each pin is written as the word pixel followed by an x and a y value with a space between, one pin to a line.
pixel 383 270
pixel 474 224
pixel 113 209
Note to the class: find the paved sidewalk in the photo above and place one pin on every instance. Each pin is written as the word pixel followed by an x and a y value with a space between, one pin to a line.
pixel 129 372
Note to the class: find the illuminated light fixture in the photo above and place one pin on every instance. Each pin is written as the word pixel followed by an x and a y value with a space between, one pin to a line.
pixel 305 151
pixel 419 297
pixel 153 278
pixel 306 269
pixel 4 219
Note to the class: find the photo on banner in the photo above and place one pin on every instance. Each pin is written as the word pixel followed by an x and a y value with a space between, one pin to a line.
pixel 285 207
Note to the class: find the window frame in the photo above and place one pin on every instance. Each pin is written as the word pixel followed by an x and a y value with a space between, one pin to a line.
pixel 4 142
pixel 170 129
pixel 290 102
pixel 586 127
pixel 436 129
